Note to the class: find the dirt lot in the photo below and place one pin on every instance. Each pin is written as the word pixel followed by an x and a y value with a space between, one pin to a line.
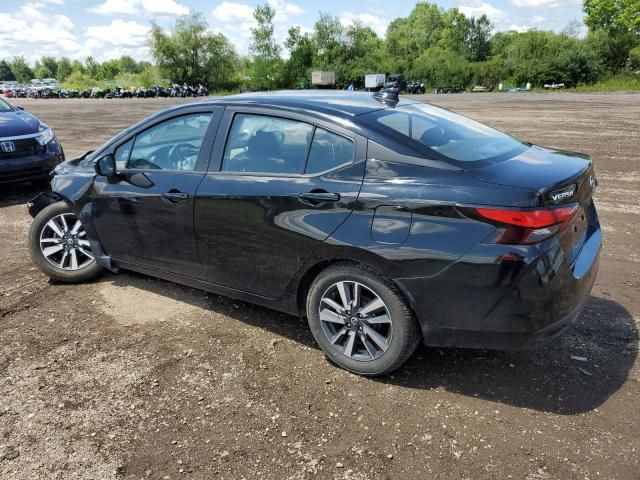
pixel 133 378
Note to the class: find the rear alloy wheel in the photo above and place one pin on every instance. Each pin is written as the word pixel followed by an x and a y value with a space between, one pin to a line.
pixel 59 245
pixel 360 320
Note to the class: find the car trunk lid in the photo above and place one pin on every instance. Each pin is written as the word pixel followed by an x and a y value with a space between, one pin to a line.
pixel 558 178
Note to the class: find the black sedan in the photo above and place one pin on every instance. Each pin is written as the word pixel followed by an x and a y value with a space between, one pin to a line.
pixel 384 222
pixel 29 149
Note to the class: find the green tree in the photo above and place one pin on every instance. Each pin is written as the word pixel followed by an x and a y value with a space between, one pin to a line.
pixel 440 67
pixel 51 64
pixel 91 67
pixel 613 16
pixel 5 71
pixel 633 63
pixel 108 70
pixel 126 64
pixel 64 69
pixel 264 51
pixel 478 39
pixel 612 48
pixel 296 70
pixel 42 71
pixel 21 70
pixel 77 66
pixel 193 54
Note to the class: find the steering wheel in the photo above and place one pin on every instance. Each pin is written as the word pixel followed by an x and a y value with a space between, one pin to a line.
pixel 181 152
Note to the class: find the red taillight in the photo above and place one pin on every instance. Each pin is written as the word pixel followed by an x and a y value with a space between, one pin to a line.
pixel 539 218
pixel 526 225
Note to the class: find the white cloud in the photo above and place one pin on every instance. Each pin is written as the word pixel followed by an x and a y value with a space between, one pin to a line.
pixel 169 8
pixel 537 19
pixel 519 28
pixel 163 8
pixel 285 10
pixel 544 3
pixel 115 7
pixel 119 33
pixel 235 21
pixel 229 11
pixel 478 9
pixel 32 33
pixel 377 24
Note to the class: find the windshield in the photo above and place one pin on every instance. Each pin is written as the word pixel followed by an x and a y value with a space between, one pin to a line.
pixel 453 136
pixel 5 107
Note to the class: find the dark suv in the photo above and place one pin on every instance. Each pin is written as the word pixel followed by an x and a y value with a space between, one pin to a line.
pixel 29 149
pixel 385 222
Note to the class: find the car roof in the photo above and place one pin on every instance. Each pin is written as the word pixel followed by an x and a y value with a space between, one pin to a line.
pixel 337 103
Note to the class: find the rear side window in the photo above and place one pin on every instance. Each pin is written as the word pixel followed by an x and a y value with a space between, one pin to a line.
pixel 328 151
pixel 454 136
pixel 264 144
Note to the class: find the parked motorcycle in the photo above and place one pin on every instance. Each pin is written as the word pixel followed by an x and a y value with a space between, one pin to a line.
pixel 415 87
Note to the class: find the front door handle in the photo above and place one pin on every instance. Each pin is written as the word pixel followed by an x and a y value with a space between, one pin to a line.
pixel 318 197
pixel 174 196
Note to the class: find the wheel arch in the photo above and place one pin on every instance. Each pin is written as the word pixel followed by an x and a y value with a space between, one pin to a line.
pixel 44 199
pixel 360 258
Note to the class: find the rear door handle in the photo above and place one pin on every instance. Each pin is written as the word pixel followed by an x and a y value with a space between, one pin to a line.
pixel 173 196
pixel 315 198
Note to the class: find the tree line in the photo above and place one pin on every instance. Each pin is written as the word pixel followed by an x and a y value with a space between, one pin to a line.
pixel 437 46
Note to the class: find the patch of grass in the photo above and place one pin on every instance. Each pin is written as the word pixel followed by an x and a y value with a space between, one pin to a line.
pixel 617 83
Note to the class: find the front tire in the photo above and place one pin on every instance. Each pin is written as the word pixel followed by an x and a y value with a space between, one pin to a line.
pixel 360 320
pixel 59 246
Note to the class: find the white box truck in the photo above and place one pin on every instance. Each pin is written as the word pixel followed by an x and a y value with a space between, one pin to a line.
pixel 374 81
pixel 323 79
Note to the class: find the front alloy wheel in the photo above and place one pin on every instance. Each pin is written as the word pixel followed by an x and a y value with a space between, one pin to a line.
pixel 360 320
pixel 59 245
pixel 63 242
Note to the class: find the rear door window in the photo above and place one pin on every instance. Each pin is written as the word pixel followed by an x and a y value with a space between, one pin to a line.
pixel 267 145
pixel 328 151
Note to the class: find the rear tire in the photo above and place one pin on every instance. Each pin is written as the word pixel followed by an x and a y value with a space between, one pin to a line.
pixel 360 320
pixel 59 247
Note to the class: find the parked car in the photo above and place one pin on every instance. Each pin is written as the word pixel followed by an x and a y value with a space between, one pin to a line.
pixel 29 149
pixel 386 223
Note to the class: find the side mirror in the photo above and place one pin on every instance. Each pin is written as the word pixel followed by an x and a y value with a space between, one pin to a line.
pixel 19 107
pixel 106 166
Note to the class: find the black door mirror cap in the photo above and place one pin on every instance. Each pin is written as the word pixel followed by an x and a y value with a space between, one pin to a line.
pixel 106 166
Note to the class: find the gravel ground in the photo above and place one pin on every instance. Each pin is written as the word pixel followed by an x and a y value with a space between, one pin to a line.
pixel 130 377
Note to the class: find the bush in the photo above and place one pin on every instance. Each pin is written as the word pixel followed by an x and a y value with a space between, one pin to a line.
pixel 439 67
pixel 633 62
pixel 79 81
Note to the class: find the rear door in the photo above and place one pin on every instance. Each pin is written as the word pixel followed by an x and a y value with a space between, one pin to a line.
pixel 278 185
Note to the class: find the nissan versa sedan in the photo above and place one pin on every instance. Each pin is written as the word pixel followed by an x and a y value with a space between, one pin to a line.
pixel 385 222
pixel 29 149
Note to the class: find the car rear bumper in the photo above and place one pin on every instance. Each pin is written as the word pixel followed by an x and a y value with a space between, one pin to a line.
pixel 497 297
pixel 35 167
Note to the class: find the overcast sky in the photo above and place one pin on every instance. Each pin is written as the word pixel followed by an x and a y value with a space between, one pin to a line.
pixel 111 28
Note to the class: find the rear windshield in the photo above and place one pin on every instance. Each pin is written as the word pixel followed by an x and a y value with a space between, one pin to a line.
pixel 451 135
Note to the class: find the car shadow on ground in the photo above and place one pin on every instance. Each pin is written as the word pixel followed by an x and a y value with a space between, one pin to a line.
pixel 603 342
pixel 18 193
pixel 544 379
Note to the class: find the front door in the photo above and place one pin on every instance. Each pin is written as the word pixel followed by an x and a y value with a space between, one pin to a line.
pixel 144 215
pixel 276 189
